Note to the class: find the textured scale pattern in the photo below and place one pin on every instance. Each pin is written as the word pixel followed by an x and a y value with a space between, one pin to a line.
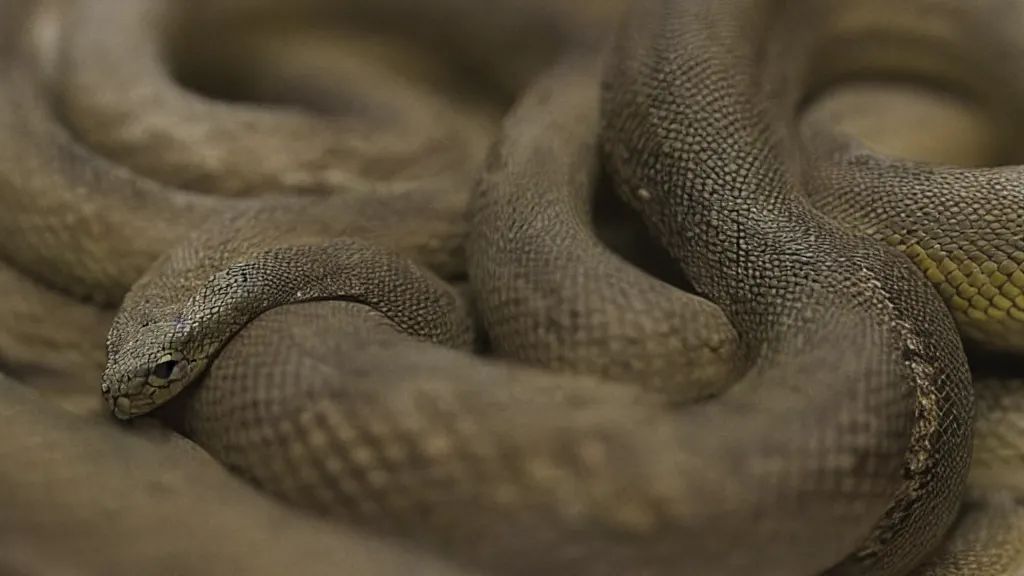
pixel 503 467
pixel 684 126
pixel 306 295
pixel 45 492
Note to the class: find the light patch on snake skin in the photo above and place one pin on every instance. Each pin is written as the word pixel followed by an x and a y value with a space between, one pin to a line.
pixel 986 298
pixel 44 32
pixel 551 478
pixel 378 478
pixel 636 517
pixel 317 439
pixel 395 453
pixel 505 494
pixel 594 454
pixel 923 374
pixel 599 500
pixel 364 456
pixel 543 471
pixel 438 445
pixel 927 420
pixel 926 424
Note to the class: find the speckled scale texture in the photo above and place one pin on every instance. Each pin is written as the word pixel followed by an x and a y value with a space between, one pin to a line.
pixel 550 293
pixel 519 471
pixel 695 131
pixel 507 468
pixel 51 486
pixel 330 357
pixel 969 242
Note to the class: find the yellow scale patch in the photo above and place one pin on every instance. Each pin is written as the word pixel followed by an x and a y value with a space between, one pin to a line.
pixel 987 299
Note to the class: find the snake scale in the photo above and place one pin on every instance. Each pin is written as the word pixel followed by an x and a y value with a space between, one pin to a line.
pixel 518 288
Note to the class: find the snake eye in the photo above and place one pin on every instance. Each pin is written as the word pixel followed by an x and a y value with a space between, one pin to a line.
pixel 165 366
pixel 163 370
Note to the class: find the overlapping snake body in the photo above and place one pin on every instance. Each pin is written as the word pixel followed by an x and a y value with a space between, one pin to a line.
pixel 701 132
pixel 334 354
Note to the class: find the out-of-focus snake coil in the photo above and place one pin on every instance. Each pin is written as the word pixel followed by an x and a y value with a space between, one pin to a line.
pixel 517 287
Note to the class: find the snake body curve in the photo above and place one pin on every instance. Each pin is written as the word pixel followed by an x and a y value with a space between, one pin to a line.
pixel 513 469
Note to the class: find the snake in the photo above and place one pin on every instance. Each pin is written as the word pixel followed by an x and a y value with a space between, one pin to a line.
pixel 804 407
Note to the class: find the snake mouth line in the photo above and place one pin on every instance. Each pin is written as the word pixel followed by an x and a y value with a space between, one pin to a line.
pixel 126 405
pixel 124 409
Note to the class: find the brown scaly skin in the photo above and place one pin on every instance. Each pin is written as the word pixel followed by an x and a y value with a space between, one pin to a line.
pixel 700 129
pixel 70 491
pixel 848 414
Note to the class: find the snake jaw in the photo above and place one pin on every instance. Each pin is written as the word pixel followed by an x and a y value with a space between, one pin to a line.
pixel 142 393
pixel 131 404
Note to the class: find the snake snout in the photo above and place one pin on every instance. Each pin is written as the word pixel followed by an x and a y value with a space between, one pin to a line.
pixel 134 397
pixel 121 406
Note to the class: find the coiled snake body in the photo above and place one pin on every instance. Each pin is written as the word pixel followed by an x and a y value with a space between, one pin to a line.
pixel 806 409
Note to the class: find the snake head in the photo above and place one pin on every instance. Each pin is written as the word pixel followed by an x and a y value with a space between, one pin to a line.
pixel 147 370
